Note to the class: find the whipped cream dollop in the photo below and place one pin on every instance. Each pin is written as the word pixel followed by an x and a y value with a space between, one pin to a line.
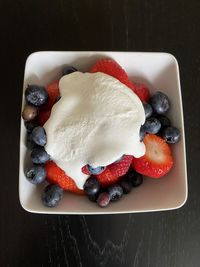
pixel 96 121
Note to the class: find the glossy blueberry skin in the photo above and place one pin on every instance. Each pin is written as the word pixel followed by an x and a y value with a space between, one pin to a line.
pixel 68 69
pixel 30 125
pixel 148 110
pixel 91 186
pixel 39 136
pixel 171 135
pixel 160 103
pixel 115 192
pixel 165 121
pixel 126 185
pixel 135 178
pixel 52 195
pixel 103 199
pixel 152 125
pixel 39 155
pixel 36 95
pixel 142 133
pixel 35 174
pixel 96 170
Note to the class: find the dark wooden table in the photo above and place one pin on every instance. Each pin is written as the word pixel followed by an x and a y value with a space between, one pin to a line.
pixel 161 239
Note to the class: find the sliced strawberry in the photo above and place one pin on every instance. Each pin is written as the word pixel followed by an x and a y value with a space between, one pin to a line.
pixel 85 170
pixel 121 168
pixel 53 92
pixel 157 160
pixel 43 116
pixel 56 175
pixel 112 68
pixel 107 178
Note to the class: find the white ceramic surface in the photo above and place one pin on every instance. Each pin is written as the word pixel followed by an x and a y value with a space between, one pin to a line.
pixel 160 72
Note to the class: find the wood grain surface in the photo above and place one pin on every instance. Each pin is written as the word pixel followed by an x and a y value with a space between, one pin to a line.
pixel 161 239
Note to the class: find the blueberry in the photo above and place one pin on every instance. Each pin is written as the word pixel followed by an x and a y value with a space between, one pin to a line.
pixel 148 110
pixel 51 195
pixel 29 142
pixel 171 135
pixel 165 121
pixel 115 192
pixel 92 185
pixel 36 95
pixel 93 198
pixel 39 155
pixel 68 70
pixel 160 103
pixel 35 174
pixel 152 125
pixel 126 185
pixel 39 136
pixel 29 113
pixel 96 170
pixel 103 199
pixel 30 125
pixel 142 133
pixel 135 178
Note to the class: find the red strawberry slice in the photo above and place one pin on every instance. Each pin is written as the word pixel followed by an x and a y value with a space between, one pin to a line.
pixel 53 92
pixel 106 178
pixel 157 160
pixel 85 170
pixel 56 175
pixel 43 116
pixel 112 68
pixel 121 168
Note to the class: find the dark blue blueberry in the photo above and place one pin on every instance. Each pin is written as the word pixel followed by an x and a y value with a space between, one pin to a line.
pixel 68 69
pixel 96 170
pixel 115 192
pixel 135 178
pixel 148 110
pixel 30 125
pixel 39 136
pixel 29 142
pixel 160 103
pixel 36 95
pixel 126 185
pixel 152 125
pixel 39 155
pixel 35 174
pixel 165 121
pixel 92 185
pixel 142 133
pixel 171 135
pixel 103 199
pixel 51 195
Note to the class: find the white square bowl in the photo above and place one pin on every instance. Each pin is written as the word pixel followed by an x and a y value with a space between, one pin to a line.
pixel 160 72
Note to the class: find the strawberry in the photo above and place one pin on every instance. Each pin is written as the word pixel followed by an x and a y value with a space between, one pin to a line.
pixel 157 160
pixel 142 92
pixel 56 175
pixel 107 178
pixel 85 170
pixel 112 68
pixel 53 92
pixel 121 168
pixel 43 116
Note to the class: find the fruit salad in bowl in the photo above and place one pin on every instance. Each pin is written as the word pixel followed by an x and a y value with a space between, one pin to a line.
pixel 96 134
